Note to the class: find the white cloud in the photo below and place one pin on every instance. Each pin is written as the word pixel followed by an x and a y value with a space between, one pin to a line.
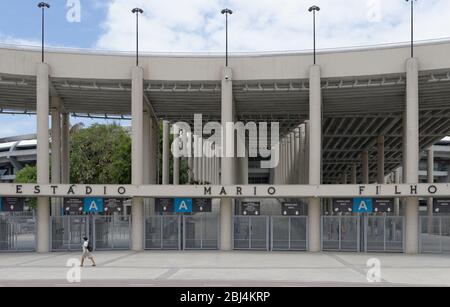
pixel 267 25
pixel 11 40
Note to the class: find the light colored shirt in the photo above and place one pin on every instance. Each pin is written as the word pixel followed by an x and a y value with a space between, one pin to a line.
pixel 85 245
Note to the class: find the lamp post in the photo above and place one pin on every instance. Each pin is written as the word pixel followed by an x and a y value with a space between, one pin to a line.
pixel 43 6
pixel 412 26
pixel 314 9
pixel 226 12
pixel 137 11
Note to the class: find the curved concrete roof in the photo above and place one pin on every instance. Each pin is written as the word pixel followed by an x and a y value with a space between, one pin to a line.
pixel 379 60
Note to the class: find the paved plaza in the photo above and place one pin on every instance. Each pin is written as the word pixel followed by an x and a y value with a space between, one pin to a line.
pixel 224 269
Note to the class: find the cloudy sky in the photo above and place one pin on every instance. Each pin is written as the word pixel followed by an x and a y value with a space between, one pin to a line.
pixel 198 26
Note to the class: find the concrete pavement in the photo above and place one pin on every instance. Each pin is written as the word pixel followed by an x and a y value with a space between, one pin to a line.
pixel 227 269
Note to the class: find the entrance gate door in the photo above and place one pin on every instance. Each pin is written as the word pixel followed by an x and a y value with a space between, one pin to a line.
pixel 201 231
pixel 384 233
pixel 251 232
pixel 17 233
pixel 112 232
pixel 105 232
pixel 341 233
pixel 163 232
pixel 435 234
pixel 289 233
pixel 68 232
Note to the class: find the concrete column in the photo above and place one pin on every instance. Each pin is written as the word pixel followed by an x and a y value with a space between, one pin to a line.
pixel 190 159
pixel 42 163
pixel 315 155
pixel 176 166
pixel 200 159
pixel 146 147
pixel 137 156
pixel 301 156
pixel 365 167
pixel 296 176
pixel 243 169
pixel 307 149
pixel 166 153
pixel 398 171
pixel 354 173
pixel 430 175
pixel 380 160
pixel 293 155
pixel 65 148
pixel 153 159
pixel 228 160
pixel 344 177
pixel 282 161
pixel 195 159
pixel 289 147
pixel 146 157
pixel 56 151
pixel 412 148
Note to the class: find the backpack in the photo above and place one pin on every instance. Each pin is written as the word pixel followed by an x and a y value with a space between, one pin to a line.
pixel 89 247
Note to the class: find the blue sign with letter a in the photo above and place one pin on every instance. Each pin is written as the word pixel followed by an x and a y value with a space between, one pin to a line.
pixel 362 205
pixel 93 205
pixel 183 205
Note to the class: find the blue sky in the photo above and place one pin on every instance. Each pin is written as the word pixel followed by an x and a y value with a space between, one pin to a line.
pixel 198 26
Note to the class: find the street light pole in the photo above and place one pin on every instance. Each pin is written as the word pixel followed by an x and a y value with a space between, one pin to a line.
pixel 43 6
pixel 314 9
pixel 137 11
pixel 226 12
pixel 412 26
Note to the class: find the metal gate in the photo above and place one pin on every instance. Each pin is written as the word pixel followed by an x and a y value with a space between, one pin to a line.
pixel 105 232
pixel 68 232
pixel 163 232
pixel 251 232
pixel 435 234
pixel 112 232
pixel 17 233
pixel 341 233
pixel 384 233
pixel 201 231
pixel 289 233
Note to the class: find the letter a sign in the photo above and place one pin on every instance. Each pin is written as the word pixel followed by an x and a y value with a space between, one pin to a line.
pixel 362 205
pixel 93 205
pixel 183 205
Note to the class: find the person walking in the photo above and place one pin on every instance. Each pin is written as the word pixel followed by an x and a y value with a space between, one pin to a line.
pixel 87 252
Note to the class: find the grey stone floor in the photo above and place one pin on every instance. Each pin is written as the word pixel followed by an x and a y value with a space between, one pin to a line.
pixel 223 269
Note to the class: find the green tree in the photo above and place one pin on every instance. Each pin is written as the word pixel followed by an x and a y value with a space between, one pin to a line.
pixel 28 174
pixel 100 154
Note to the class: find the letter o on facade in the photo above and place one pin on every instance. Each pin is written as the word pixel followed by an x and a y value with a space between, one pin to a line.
pixel 432 189
pixel 271 191
pixel 121 190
